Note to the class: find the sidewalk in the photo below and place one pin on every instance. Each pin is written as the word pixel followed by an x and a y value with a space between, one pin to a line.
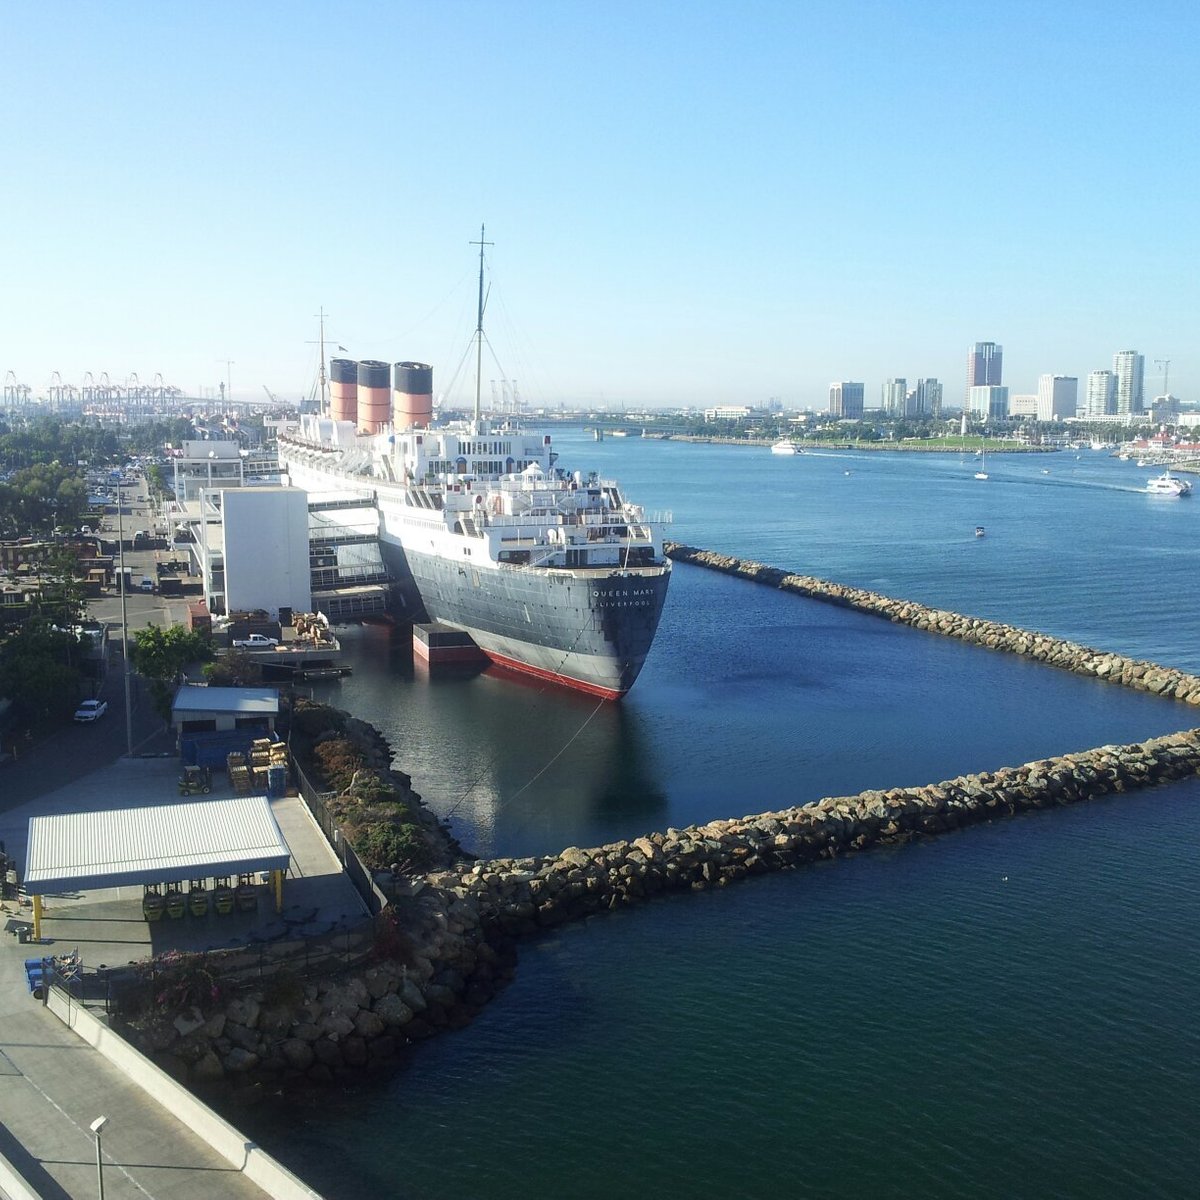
pixel 53 1086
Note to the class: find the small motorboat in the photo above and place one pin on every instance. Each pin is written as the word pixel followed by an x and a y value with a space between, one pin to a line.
pixel 980 531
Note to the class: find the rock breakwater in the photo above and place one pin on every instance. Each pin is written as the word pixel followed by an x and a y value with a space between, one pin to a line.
pixel 434 966
pixel 1055 652
pixel 523 895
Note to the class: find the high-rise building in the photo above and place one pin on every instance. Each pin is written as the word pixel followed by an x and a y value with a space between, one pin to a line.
pixel 988 401
pixel 984 363
pixel 929 398
pixel 846 400
pixel 893 396
pixel 1057 397
pixel 1129 367
pixel 1101 394
pixel 1165 409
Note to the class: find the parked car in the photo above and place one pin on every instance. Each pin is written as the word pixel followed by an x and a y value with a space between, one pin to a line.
pixel 91 710
pixel 256 641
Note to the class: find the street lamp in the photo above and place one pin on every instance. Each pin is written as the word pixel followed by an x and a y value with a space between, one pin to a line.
pixel 97 1128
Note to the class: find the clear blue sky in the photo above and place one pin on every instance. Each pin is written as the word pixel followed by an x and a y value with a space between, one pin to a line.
pixel 690 202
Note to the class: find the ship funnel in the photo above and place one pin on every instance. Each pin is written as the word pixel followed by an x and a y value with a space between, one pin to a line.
pixel 413 401
pixel 343 389
pixel 374 400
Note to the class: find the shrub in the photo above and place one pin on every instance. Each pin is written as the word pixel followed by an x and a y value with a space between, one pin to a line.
pixel 381 845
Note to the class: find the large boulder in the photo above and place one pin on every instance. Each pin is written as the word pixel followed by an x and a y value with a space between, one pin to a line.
pixel 238 1061
pixel 208 1069
pixel 337 1024
pixel 297 1054
pixel 393 1011
pixel 243 1011
pixel 368 1024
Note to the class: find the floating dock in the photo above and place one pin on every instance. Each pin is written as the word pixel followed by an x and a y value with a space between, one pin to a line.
pixel 439 645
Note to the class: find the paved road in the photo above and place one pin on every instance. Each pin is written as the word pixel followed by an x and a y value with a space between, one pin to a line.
pixel 75 751
pixel 70 753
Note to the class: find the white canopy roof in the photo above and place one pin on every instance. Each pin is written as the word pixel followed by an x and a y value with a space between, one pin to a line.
pixel 248 701
pixel 168 843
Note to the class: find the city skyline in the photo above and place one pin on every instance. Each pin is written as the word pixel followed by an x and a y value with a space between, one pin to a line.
pixel 189 188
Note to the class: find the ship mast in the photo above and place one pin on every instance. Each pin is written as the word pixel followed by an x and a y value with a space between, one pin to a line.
pixel 479 325
pixel 324 409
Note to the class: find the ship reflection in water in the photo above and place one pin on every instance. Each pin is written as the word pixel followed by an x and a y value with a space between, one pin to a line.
pixel 518 766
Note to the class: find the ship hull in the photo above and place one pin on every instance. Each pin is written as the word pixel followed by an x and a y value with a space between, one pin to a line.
pixel 588 630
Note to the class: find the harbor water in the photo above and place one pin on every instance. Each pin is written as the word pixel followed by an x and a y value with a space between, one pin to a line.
pixel 1005 1011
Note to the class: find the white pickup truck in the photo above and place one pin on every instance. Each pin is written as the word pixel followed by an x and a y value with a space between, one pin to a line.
pixel 255 641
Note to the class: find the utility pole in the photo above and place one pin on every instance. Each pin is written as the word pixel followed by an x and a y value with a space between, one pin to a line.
pixel 124 621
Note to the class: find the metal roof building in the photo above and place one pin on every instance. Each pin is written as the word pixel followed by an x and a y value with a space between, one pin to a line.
pixel 168 843
pixel 245 702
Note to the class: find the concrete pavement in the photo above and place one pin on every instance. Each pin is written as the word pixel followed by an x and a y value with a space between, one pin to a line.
pixel 53 1084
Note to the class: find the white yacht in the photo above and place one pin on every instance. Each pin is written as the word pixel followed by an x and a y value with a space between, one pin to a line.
pixel 784 446
pixel 1167 484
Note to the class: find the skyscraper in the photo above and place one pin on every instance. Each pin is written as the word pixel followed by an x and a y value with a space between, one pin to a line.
pixel 1129 367
pixel 846 400
pixel 984 362
pixel 929 398
pixel 893 396
pixel 1057 397
pixel 1101 394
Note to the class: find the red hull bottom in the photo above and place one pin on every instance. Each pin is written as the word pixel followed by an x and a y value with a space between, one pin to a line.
pixel 576 685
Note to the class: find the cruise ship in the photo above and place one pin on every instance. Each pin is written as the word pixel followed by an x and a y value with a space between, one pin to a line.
pixel 553 573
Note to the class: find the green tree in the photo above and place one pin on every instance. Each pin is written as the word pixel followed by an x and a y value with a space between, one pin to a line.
pixel 36 500
pixel 235 668
pixel 38 672
pixel 60 597
pixel 161 655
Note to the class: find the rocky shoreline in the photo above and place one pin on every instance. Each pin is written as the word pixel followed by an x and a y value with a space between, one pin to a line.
pixel 433 965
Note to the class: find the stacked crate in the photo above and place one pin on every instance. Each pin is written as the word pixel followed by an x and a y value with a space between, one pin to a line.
pixel 279 757
pixel 260 760
pixel 240 778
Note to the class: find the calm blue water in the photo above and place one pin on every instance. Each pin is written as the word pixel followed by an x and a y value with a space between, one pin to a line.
pixel 1006 1011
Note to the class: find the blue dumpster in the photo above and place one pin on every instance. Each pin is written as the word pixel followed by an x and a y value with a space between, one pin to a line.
pixel 276 780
